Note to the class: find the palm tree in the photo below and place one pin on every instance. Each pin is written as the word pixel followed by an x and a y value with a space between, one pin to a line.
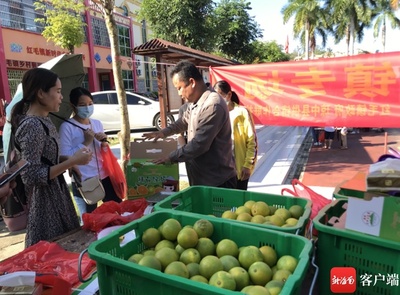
pixel 308 22
pixel 349 19
pixel 318 27
pixel 384 13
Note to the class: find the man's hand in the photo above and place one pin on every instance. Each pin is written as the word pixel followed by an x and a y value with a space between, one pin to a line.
pixel 245 173
pixel 156 135
pixel 165 160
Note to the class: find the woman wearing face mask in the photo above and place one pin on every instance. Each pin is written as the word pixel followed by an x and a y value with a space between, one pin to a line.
pixel 243 134
pixel 73 138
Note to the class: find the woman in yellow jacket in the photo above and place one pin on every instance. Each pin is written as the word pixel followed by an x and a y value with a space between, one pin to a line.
pixel 244 136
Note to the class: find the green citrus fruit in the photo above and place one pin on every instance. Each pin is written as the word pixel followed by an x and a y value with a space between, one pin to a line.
pixel 190 255
pixel 199 278
pixel 277 220
pixel 260 273
pixel 260 208
pixel 229 215
pixel 177 268
pixel 260 219
pixel 223 279
pixel 150 261
pixel 244 216
pixel 258 290
pixel 283 212
pixel 269 254
pixel 249 204
pixel 151 237
pixel 209 265
pixel 170 229
pixel 291 221
pixel 281 275
pixel 248 255
pixel 206 247
pixel 164 243
pixel 274 287
pixel 287 262
pixel 296 211
pixel 241 277
pixel 229 261
pixel 135 257
pixel 187 238
pixel 166 256
pixel 243 209
pixel 193 269
pixel 204 228
pixel 227 247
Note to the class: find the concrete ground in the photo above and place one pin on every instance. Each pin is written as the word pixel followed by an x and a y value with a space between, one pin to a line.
pixel 331 167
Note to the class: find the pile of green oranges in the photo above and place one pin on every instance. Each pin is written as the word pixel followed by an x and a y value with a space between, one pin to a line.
pixel 190 252
pixel 260 212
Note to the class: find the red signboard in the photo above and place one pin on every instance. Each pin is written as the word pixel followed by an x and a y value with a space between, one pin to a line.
pixel 356 91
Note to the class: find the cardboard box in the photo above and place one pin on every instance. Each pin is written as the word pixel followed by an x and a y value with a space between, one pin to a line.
pixel 378 216
pixel 145 178
pixel 22 290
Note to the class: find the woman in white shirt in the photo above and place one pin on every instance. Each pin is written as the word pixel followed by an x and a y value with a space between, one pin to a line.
pixel 73 138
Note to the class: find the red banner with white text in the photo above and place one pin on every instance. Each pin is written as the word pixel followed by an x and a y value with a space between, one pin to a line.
pixel 356 91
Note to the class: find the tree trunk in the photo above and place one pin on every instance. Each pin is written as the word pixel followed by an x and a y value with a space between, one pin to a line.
pixel 119 85
pixel 384 35
pixel 307 41
pixel 352 35
pixel 348 41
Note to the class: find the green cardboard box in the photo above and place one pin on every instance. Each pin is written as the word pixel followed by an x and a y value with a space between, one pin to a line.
pixel 145 178
pixel 379 216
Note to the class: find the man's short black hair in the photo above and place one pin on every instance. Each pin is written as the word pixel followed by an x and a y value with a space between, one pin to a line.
pixel 186 70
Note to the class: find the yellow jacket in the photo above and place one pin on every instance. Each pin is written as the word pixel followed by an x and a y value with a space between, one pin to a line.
pixel 244 138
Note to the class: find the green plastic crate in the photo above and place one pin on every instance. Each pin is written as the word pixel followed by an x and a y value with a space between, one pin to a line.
pixel 367 254
pixel 344 193
pixel 215 201
pixel 117 276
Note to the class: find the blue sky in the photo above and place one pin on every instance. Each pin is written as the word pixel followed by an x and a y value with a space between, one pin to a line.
pixel 268 15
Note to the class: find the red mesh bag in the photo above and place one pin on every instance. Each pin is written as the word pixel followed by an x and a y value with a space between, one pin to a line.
pixel 109 214
pixel 303 191
pixel 53 265
pixel 115 172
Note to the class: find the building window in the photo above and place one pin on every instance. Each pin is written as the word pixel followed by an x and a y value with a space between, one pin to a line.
pixel 144 31
pixel 14 78
pixel 100 34
pixel 125 9
pixel 124 41
pixel 127 77
pixel 20 15
pixel 85 82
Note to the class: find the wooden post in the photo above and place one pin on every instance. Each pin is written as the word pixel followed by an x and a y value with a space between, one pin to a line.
pixel 385 144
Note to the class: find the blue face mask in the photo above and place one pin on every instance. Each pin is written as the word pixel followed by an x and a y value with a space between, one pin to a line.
pixel 85 112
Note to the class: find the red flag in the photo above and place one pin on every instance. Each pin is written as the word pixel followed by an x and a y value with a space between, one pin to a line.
pixel 287 45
